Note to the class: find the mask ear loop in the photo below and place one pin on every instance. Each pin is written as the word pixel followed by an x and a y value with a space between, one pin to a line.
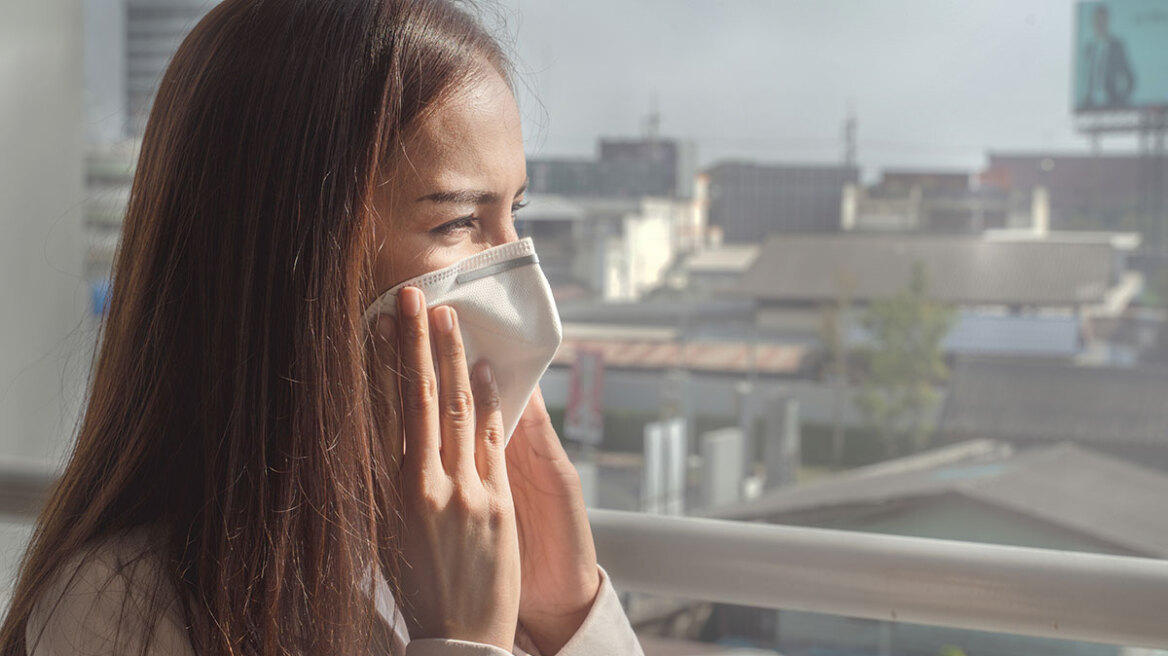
pixel 496 268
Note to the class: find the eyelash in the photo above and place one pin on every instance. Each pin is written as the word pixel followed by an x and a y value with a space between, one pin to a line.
pixel 467 221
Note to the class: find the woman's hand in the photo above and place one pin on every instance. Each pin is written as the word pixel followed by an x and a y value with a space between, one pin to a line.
pixel 461 576
pixel 560 576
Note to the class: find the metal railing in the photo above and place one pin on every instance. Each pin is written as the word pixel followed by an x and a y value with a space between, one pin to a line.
pixel 1038 592
pixel 1055 594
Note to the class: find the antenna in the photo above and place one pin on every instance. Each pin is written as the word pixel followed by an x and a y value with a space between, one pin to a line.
pixel 653 120
pixel 850 125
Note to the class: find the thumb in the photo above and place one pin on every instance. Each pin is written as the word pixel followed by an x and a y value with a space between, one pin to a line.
pixel 535 433
pixel 535 414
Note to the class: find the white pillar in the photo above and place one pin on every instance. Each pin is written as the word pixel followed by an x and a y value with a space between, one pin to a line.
pixel 721 467
pixel 44 330
pixel 1040 211
pixel 782 451
pixel 652 468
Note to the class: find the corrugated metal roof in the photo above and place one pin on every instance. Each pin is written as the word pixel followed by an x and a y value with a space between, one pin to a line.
pixel 961 270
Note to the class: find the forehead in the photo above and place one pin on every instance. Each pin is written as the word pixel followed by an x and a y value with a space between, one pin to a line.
pixel 474 135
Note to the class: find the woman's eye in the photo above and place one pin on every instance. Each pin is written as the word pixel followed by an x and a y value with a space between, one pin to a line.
pixel 450 227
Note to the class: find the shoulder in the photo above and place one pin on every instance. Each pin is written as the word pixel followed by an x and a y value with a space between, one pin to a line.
pixel 113 597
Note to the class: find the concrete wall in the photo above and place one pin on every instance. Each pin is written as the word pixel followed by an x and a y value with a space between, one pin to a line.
pixel 44 331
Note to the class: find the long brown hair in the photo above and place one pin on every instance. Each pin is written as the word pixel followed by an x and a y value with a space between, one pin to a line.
pixel 229 403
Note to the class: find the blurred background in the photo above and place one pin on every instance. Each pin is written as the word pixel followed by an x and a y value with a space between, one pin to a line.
pixel 896 267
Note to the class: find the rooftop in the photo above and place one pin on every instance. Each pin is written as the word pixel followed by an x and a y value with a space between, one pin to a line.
pixel 961 270
pixel 1066 486
pixel 731 258
pixel 635 347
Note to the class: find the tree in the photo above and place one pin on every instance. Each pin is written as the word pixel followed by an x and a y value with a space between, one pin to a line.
pixel 905 363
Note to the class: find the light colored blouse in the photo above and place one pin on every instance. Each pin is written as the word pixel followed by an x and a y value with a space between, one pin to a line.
pixel 96 606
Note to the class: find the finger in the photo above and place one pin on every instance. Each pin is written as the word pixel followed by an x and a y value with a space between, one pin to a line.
pixel 456 414
pixel 419 384
pixel 489 437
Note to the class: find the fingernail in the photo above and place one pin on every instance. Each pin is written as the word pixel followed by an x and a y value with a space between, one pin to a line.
pixel 444 319
pixel 410 301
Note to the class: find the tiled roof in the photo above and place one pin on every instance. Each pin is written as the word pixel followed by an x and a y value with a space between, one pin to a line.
pixel 640 348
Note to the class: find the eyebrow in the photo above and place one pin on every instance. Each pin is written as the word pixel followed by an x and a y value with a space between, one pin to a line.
pixel 467 196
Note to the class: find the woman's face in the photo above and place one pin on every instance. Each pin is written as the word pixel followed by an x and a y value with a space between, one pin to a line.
pixel 454 191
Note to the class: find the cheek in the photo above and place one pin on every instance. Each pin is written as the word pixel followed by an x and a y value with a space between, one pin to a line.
pixel 412 257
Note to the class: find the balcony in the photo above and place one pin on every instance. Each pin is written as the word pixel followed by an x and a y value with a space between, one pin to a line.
pixel 1036 592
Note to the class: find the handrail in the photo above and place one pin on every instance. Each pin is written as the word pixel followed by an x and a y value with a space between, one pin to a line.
pixel 1039 592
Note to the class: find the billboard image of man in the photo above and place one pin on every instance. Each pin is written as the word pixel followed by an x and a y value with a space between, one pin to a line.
pixel 1110 80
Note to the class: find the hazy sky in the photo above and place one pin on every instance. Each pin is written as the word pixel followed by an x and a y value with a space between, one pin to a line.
pixel 933 82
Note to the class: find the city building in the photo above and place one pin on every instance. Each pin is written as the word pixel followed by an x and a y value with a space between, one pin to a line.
pixel 939 202
pixel 715 270
pixel 965 271
pixel 128 44
pixel 614 249
pixel 1018 293
pixel 750 201
pixel 623 168
pixel 127 47
pixel 564 176
pixel 1089 191
pixel 109 172
pixel 1115 410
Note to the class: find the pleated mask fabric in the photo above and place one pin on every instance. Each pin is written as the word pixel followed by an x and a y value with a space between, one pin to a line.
pixel 506 315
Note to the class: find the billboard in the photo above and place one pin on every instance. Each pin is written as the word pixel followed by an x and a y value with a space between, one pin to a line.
pixel 1121 55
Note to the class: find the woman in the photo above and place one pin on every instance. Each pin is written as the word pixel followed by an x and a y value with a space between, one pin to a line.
pixel 252 475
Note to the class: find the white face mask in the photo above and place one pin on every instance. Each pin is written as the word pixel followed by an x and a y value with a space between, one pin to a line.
pixel 506 315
